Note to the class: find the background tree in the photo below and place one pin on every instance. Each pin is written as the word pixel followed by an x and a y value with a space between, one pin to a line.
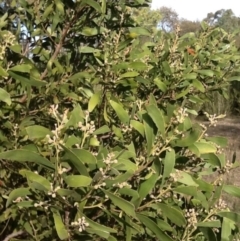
pixel 187 26
pixel 169 19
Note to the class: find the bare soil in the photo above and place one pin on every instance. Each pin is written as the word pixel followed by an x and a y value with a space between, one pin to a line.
pixel 229 128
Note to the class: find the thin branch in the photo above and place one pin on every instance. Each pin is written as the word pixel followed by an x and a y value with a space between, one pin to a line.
pixel 13 235
pixel 58 48
pixel 61 42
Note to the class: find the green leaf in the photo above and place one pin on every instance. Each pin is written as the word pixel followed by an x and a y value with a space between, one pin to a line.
pixel 100 233
pixel 129 75
pixel 87 50
pixel 76 161
pixel 219 140
pixel 216 195
pixel 166 68
pixel 210 224
pixel 60 227
pixel 87 31
pixel 19 192
pixel 208 233
pixel 187 179
pixel 3 72
pixel 138 126
pixel 129 192
pixel 191 191
pixel 26 81
pixel 102 130
pixel 128 229
pixel 85 156
pixel 140 31
pixel 212 159
pixel 226 231
pixel 149 132
pixel 190 76
pixel 77 181
pixel 234 78
pixel 203 185
pixel 235 217
pixel 97 226
pixel 173 214
pixel 24 68
pixel 37 132
pixel 93 102
pixel 198 85
pixel 48 10
pixel 121 113
pixel 147 186
pixel 157 118
pixel 26 156
pixel 93 4
pixel 17 48
pixel 137 65
pixel 164 226
pixel 169 163
pixel 5 96
pixel 232 190
pixel 75 117
pixel 36 178
pixel 161 85
pixel 154 228
pixel 206 72
pixel 124 205
pixel 202 148
pixel 189 138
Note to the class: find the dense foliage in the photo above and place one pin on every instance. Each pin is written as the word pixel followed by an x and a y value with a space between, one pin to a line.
pixel 96 138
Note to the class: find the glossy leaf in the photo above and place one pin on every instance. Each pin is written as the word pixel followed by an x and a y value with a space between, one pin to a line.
pixel 210 224
pixel 235 217
pixel 16 193
pixel 191 191
pixel 129 75
pixel 121 113
pixel 232 190
pixel 93 102
pixel 60 227
pixel 5 97
pixel 76 161
pixel 153 227
pixel 36 178
pixel 93 4
pixel 25 68
pixel 149 129
pixel 78 181
pixel 147 186
pixel 37 132
pixel 173 214
pixel 202 148
pixel 26 156
pixel 226 231
pixel 124 205
pixel 157 118
pixel 26 81
pixel 102 130
pixel 138 126
pixel 206 72
pixel 169 163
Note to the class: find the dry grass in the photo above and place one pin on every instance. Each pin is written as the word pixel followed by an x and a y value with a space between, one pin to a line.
pixel 230 128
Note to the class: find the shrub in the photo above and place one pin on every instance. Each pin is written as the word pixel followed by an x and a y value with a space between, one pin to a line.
pixel 96 141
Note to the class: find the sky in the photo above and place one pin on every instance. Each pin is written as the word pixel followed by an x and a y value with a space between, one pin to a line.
pixel 197 9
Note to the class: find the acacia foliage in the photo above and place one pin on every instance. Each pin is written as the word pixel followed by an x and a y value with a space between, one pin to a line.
pixel 96 141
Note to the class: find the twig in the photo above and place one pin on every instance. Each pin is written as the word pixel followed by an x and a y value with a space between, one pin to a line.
pixel 61 42
pixel 13 235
